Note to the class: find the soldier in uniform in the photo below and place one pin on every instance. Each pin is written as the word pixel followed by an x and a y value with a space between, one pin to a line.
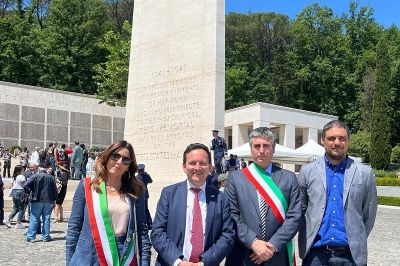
pixel 218 145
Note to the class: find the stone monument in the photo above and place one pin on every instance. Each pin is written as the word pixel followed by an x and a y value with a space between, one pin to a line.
pixel 176 87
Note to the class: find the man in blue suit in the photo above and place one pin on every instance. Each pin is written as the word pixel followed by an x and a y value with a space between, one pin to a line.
pixel 193 224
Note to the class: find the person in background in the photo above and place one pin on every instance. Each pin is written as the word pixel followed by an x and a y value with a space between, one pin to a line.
pixel 7 163
pixel 1 201
pixel 42 199
pixel 90 164
pixel 222 179
pixel 24 157
pixel 232 164
pixel 76 161
pixel 243 164
pixel 218 145
pixel 108 214
pixel 339 203
pixel 17 192
pixel 146 179
pixel 32 169
pixel 61 178
pixel 35 156
pixel 61 156
pixel 85 158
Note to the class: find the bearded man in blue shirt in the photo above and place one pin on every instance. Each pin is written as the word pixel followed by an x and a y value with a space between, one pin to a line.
pixel 339 203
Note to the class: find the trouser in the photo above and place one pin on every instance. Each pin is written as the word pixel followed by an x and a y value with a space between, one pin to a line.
pixel 40 209
pixel 77 171
pixel 18 204
pixel 6 168
pixel 329 257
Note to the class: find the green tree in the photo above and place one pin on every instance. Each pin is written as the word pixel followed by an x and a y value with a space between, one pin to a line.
pixel 382 109
pixel 360 145
pixel 112 76
pixel 70 44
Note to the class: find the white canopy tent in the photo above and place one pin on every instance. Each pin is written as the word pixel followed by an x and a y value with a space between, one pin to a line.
pixel 282 154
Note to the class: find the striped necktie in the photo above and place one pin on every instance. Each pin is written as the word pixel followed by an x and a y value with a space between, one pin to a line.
pixel 196 239
pixel 263 216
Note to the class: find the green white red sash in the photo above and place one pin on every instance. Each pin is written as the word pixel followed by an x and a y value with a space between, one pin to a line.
pixel 273 197
pixel 102 229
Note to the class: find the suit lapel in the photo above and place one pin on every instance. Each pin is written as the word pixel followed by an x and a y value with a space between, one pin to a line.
pixel 181 197
pixel 348 178
pixel 211 198
pixel 252 193
pixel 321 171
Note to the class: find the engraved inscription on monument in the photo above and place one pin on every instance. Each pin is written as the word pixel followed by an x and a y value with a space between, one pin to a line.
pixel 176 80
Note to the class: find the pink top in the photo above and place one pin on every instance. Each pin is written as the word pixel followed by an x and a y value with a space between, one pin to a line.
pixel 119 210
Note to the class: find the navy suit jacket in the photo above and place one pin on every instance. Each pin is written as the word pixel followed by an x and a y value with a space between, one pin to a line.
pixel 169 225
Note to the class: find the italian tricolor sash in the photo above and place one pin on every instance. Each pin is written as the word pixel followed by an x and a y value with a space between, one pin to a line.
pixel 273 196
pixel 102 229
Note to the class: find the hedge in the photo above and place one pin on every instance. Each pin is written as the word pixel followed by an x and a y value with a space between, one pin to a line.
pixel 388 181
pixel 391 201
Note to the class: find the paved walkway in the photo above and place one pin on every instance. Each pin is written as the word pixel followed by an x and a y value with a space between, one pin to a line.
pixel 383 244
pixel 388 191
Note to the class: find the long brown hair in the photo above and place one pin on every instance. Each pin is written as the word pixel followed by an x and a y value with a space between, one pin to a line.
pixel 130 184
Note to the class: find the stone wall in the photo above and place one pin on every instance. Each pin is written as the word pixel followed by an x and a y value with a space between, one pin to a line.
pixel 33 116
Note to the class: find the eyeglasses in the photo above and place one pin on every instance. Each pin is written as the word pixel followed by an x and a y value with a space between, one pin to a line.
pixel 116 156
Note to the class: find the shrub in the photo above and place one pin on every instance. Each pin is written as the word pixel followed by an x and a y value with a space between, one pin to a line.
pixel 391 201
pixel 388 181
pixel 15 147
pixel 395 156
pixel 359 145
pixel 383 173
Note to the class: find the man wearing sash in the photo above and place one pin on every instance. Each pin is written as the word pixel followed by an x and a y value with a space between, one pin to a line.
pixel 339 202
pixel 266 206
pixel 193 224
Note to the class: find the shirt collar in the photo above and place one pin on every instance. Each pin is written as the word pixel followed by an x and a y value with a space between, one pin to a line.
pixel 190 185
pixel 341 166
pixel 268 170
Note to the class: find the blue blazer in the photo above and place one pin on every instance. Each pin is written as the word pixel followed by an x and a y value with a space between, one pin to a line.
pixel 169 225
pixel 80 249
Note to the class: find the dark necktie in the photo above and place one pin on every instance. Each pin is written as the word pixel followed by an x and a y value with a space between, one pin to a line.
pixel 263 216
pixel 196 239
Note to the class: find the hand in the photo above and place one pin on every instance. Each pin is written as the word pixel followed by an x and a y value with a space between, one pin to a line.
pixel 261 251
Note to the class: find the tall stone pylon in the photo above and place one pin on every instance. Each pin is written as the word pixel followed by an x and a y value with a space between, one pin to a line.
pixel 176 87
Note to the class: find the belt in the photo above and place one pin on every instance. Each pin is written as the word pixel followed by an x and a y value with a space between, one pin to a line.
pixel 333 248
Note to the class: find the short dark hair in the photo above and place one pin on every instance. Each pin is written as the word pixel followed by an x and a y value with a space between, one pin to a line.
pixel 335 123
pixel 196 146
pixel 76 142
pixel 50 144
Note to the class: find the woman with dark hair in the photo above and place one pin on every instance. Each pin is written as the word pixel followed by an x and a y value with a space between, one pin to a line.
pixel 17 193
pixel 107 225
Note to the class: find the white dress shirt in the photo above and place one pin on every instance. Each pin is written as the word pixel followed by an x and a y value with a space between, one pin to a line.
pixel 187 246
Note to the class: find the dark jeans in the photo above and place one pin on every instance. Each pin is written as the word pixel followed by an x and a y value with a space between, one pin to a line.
pixel 321 256
pixel 6 168
pixel 18 204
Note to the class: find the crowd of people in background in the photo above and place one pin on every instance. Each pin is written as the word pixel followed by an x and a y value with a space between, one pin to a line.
pixel 39 183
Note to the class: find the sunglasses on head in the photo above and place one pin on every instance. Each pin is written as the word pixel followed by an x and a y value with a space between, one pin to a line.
pixel 116 156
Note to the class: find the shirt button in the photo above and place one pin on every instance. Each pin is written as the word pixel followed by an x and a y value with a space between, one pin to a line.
pixel 333 211
pixel 334 198
pixel 332 238
pixel 333 225
pixel 334 185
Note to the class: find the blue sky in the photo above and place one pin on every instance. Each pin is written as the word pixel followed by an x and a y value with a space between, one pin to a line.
pixel 386 12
